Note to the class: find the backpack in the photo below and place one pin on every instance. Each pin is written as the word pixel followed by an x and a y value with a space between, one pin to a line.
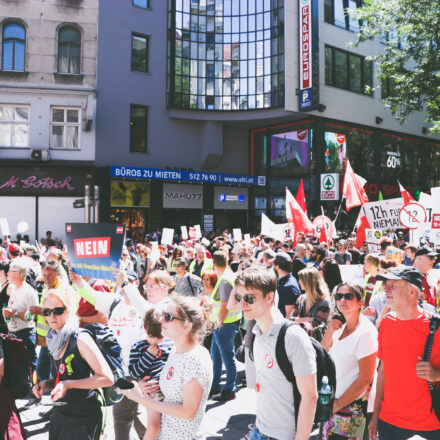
pixel 111 350
pixel 17 376
pixel 324 367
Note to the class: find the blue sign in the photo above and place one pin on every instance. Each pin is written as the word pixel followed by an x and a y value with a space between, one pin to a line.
pixel 241 198
pixel 222 198
pixel 305 99
pixel 186 176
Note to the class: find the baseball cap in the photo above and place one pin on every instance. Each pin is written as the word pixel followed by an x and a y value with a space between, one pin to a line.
pixel 132 275
pixel 342 242
pixel 14 248
pixel 410 274
pixel 426 251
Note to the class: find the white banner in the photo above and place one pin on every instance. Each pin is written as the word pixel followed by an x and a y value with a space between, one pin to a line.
pixel 383 214
pixel 237 234
pixel 184 232
pixel 4 226
pixel 352 273
pixel 167 236
pixel 279 232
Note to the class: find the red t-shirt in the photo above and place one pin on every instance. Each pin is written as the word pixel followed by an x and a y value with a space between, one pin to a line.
pixel 407 401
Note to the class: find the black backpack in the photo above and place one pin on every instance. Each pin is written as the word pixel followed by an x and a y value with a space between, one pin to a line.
pixel 17 376
pixel 324 367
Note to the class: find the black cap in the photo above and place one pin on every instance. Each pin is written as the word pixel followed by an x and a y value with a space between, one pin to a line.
pixel 426 251
pixel 132 275
pixel 410 274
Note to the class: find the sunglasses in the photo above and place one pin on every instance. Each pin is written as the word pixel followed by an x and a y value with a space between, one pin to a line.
pixel 168 317
pixel 177 265
pixel 57 311
pixel 346 296
pixel 248 299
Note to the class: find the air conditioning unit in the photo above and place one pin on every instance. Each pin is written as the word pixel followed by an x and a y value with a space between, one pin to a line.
pixel 40 155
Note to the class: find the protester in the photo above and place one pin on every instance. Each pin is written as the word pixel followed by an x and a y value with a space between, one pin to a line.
pixel 255 290
pixel 342 256
pixel 186 378
pixel 298 261
pixel 201 264
pixel 331 273
pixel 125 261
pixel 372 285
pixel 424 261
pixel 5 292
pixel 186 284
pixel 209 280
pixel 403 404
pixel 178 252
pixel 355 253
pixel 410 255
pixel 352 344
pixel 384 243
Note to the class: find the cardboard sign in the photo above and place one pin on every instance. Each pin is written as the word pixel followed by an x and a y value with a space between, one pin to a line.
pixel 192 233
pixel 184 232
pixel 247 239
pixel 352 273
pixel 198 231
pixel 167 236
pixel 237 234
pixel 383 214
pixel 4 226
pixel 95 248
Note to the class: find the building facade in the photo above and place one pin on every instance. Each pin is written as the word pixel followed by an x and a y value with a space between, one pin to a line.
pixel 47 107
pixel 272 89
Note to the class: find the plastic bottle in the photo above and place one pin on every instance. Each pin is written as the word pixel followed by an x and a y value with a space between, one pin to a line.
pixel 325 393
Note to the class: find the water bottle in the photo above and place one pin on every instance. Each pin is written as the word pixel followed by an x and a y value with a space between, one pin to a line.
pixel 324 409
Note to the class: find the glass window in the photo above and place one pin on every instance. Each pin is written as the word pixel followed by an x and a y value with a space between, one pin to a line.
pixel 14 44
pixel 139 53
pixel 14 125
pixel 65 128
pixel 138 128
pixel 355 73
pixel 341 76
pixel 69 50
pixel 141 3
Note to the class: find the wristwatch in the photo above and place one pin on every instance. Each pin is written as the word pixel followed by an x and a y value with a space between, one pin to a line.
pixel 125 283
pixel 16 314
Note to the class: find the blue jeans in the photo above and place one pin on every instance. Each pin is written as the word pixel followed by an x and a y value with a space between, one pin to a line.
pixel 29 337
pixel 43 364
pixel 391 432
pixel 257 435
pixel 222 352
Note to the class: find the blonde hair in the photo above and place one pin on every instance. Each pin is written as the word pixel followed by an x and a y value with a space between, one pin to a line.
pixel 314 285
pixel 66 296
pixel 163 278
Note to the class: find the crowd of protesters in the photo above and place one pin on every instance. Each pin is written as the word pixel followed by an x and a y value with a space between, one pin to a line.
pixel 178 313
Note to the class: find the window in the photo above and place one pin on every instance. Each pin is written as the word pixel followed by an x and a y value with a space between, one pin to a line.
pixel 69 50
pixel 141 3
pixel 14 43
pixel 138 128
pixel 335 12
pixel 14 126
pixel 139 53
pixel 65 126
pixel 348 71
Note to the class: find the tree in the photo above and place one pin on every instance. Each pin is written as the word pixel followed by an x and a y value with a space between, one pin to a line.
pixel 409 67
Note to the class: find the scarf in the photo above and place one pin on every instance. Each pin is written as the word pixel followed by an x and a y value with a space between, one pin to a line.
pixel 57 341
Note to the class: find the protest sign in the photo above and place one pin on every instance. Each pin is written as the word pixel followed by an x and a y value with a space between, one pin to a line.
pixel 352 273
pixel 247 239
pixel 184 232
pixel 4 226
pixel 95 248
pixel 280 232
pixel 383 214
pixel 167 236
pixel 237 234
pixel 205 242
pixel 372 237
pixel 328 224
pixel 412 215
pixel 192 233
pixel 198 231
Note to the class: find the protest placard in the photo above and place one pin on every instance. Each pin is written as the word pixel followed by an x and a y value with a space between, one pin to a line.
pixel 237 234
pixel 184 232
pixel 192 233
pixel 167 236
pixel 95 248
pixel 383 214
pixel 372 237
pixel 4 226
pixel 352 273
pixel 198 231
pixel 247 239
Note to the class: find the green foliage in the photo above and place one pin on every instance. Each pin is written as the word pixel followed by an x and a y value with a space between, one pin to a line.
pixel 410 62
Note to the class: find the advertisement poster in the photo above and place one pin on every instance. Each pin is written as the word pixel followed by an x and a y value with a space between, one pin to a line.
pixel 335 152
pixel 290 149
pixel 131 194
pixel 95 248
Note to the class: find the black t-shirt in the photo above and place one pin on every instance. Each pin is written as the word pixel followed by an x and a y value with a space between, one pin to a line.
pixel 288 292
pixel 355 256
pixel 297 265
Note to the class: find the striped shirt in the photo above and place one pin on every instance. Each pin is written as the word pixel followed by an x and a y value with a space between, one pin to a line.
pixel 142 363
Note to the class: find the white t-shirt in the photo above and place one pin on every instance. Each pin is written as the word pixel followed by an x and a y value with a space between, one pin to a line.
pixel 180 369
pixel 347 352
pixel 21 299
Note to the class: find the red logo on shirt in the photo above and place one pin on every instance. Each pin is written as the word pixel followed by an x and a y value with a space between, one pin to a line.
pixel 269 361
pixel 62 369
pixel 170 373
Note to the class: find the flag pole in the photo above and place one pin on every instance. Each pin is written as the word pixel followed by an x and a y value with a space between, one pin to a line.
pixel 339 210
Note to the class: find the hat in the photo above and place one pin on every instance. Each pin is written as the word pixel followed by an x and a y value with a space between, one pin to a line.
pixel 132 275
pixel 410 274
pixel 342 242
pixel 14 249
pixel 426 251
pixel 282 259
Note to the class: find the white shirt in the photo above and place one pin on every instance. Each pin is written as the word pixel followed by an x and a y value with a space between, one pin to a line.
pixel 21 299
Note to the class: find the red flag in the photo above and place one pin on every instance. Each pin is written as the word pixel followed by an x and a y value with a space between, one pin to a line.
pixel 322 235
pixel 407 197
pixel 296 215
pixel 301 197
pixel 361 225
pixel 353 188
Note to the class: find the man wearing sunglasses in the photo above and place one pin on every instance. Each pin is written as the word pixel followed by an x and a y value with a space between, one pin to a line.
pixel 402 408
pixel 255 291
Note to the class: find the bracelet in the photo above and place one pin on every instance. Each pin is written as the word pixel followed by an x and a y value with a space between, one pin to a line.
pixel 28 316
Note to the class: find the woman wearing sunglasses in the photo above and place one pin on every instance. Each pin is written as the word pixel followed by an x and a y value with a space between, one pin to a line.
pixel 186 377
pixel 351 339
pixel 78 369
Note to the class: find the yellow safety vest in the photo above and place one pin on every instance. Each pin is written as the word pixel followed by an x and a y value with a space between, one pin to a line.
pixel 207 264
pixel 233 315
pixel 376 289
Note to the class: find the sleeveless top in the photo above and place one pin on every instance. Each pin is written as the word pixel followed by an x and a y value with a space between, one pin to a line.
pixel 72 366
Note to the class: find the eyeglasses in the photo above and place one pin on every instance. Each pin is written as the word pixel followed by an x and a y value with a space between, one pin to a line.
pixel 248 299
pixel 152 286
pixel 168 317
pixel 346 296
pixel 57 311
pixel 177 265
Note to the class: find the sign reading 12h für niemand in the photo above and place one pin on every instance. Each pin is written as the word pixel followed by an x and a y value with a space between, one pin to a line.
pixel 307 51
pixel 187 176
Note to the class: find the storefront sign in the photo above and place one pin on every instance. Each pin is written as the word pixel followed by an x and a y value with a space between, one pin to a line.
pixel 393 159
pixel 208 222
pixel 228 197
pixel 186 176
pixel 130 194
pixel 383 214
pixel 94 248
pixel 182 196
pixel 44 181
pixel 330 186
